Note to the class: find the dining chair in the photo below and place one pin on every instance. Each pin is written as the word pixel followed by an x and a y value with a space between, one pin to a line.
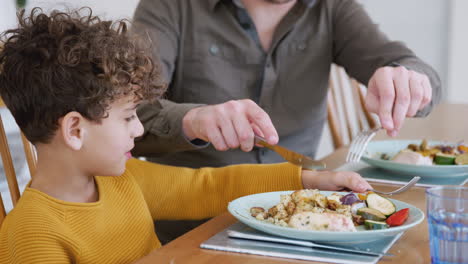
pixel 347 114
pixel 9 167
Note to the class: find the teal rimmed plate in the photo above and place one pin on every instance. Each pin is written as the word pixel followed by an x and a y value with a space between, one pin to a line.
pixel 240 209
pixel 392 147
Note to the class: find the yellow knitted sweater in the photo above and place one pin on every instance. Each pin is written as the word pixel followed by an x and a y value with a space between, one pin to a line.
pixel 118 228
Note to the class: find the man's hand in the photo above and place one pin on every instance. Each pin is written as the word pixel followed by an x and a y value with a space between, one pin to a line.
pixel 334 180
pixel 395 93
pixel 230 125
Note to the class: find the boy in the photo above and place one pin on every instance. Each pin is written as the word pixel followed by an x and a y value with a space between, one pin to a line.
pixel 73 84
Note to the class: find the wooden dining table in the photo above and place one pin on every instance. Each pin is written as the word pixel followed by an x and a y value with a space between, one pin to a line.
pixel 446 122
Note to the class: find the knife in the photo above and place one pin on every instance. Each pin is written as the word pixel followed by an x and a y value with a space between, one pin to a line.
pixel 304 243
pixel 291 156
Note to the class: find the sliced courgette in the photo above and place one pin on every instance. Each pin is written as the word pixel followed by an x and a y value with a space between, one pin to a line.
pixel 462 159
pixel 380 204
pixel 444 159
pixel 371 214
pixel 375 225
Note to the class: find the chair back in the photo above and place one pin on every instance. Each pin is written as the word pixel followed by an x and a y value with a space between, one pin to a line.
pixel 347 114
pixel 9 168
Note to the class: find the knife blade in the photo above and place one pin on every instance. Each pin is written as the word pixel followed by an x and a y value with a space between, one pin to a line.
pixel 291 156
pixel 304 243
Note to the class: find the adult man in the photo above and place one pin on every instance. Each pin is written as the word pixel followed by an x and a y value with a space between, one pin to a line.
pixel 276 53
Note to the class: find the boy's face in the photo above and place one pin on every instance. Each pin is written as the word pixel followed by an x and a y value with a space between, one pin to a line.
pixel 108 144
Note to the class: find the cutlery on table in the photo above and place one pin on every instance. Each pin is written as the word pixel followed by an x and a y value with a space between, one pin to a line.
pixel 291 156
pixel 304 243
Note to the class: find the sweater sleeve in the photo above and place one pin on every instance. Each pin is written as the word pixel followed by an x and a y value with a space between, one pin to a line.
pixel 182 193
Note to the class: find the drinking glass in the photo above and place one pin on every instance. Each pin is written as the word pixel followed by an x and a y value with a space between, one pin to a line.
pixel 447 210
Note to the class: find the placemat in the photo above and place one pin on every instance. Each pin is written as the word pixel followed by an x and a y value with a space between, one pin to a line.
pixel 223 242
pixel 373 174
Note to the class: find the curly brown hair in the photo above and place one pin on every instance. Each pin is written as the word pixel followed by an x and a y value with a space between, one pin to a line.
pixel 54 64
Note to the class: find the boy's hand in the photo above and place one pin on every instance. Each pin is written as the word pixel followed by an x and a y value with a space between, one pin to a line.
pixel 334 180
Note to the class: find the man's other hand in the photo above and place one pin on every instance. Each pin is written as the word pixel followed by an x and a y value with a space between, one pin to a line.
pixel 395 93
pixel 230 125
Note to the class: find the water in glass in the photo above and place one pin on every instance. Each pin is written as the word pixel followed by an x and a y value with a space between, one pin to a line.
pixel 447 209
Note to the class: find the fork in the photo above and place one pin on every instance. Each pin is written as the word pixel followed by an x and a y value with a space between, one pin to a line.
pixel 356 150
pixel 401 189
pixel 359 143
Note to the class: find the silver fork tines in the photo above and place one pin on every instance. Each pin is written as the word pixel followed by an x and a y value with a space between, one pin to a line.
pixel 359 144
pixel 402 189
pixel 356 150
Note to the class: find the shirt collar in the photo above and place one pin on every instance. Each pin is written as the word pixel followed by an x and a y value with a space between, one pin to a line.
pixel 213 3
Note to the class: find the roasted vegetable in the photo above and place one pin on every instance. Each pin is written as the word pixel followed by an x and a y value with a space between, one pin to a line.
pixel 362 196
pixel 375 225
pixel 371 214
pixel 462 148
pixel 444 159
pixel 380 204
pixel 349 199
pixel 398 218
pixel 462 159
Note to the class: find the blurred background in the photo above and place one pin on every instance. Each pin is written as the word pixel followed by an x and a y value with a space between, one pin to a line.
pixel 434 29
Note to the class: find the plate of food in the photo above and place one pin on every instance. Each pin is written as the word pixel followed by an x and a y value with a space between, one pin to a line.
pixel 419 157
pixel 331 217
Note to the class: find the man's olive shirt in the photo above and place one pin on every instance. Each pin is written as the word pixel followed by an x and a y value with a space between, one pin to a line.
pixel 210 53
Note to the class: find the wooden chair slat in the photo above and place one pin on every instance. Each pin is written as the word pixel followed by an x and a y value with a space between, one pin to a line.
pixel 9 167
pixel 347 114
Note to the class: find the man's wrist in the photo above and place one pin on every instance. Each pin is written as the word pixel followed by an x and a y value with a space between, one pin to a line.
pixel 187 125
pixel 188 132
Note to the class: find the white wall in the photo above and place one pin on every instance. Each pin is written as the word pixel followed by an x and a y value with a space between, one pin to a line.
pixel 7 14
pixel 421 24
pixel 458 52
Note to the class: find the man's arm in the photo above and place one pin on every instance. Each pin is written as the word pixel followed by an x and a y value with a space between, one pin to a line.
pixel 163 134
pixel 365 51
pixel 171 127
pixel 157 21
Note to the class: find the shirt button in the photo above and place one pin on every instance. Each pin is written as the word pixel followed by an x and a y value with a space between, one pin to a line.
pixel 214 49
pixel 301 46
pixel 268 64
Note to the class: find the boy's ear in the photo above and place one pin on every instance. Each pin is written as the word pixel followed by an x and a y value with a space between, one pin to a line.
pixel 72 127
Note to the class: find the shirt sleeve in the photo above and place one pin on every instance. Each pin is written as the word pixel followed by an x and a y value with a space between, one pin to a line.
pixel 361 48
pixel 163 133
pixel 177 193
pixel 158 22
